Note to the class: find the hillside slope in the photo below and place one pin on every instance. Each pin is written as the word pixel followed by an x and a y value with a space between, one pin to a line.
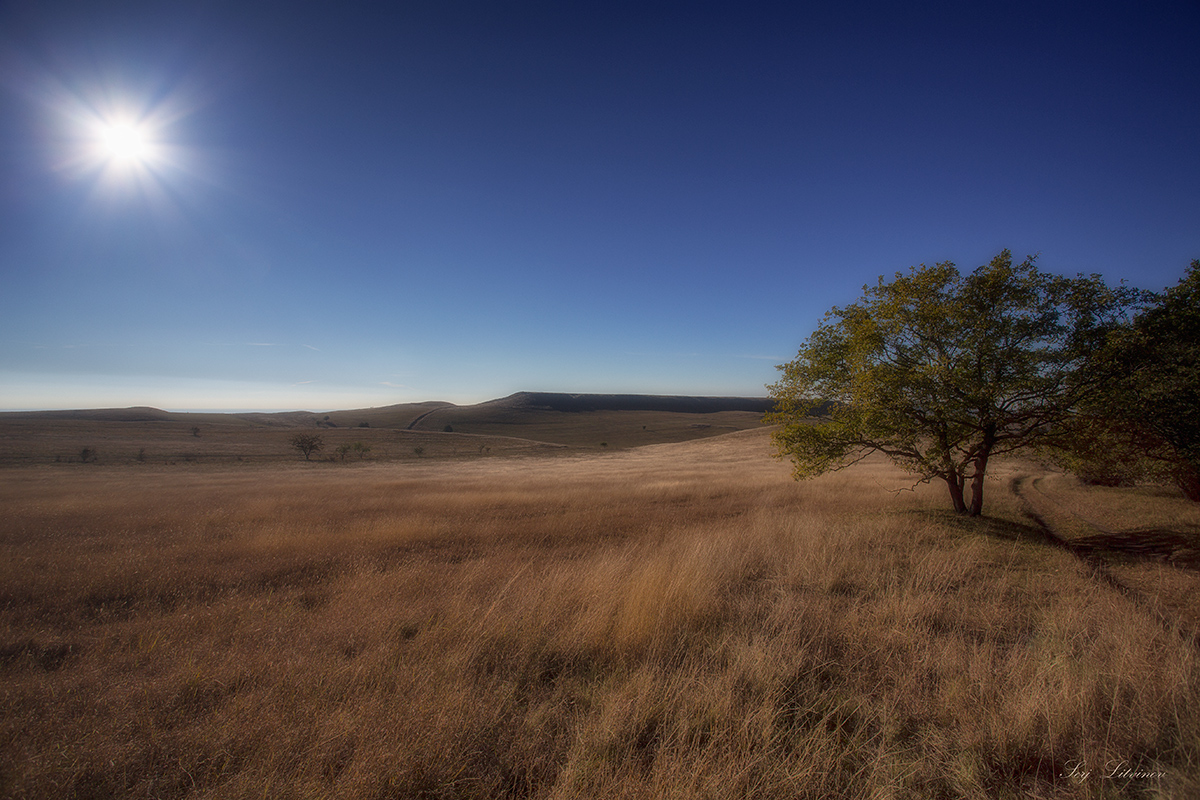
pixel 589 421
pixel 599 420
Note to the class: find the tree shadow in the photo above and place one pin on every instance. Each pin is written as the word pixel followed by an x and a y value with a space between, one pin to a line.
pixel 1177 548
pixel 1006 530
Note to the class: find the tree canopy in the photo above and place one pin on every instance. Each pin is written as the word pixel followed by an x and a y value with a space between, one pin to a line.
pixel 941 371
pixel 1150 406
pixel 307 443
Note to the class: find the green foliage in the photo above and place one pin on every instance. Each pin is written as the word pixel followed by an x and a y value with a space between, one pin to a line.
pixel 1151 369
pixel 941 371
pixel 1099 452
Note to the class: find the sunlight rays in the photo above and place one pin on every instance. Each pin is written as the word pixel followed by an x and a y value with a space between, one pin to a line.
pixel 121 139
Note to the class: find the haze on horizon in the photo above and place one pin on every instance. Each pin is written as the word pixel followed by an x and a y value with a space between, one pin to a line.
pixel 263 206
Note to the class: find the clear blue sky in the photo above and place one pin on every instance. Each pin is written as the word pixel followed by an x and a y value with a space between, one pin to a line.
pixel 340 205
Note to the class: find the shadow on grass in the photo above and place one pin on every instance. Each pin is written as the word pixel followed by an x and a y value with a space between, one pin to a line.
pixel 1178 548
pixel 1175 547
pixel 1007 530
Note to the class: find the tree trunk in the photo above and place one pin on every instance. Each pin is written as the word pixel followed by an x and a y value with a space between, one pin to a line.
pixel 981 462
pixel 977 486
pixel 1188 478
pixel 955 482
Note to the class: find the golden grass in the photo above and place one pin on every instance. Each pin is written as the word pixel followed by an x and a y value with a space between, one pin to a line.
pixel 671 621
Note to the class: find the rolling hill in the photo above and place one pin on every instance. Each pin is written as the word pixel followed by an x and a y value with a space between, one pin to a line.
pixel 505 425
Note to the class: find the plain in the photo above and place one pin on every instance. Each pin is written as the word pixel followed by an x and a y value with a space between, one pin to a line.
pixel 673 620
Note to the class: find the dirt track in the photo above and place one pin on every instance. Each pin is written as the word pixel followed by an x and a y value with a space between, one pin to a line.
pixel 1133 561
pixel 1089 539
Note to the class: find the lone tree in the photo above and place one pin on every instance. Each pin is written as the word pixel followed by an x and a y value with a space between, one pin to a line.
pixel 307 443
pixel 941 371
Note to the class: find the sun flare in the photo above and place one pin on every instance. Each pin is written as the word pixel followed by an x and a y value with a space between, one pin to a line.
pixel 124 142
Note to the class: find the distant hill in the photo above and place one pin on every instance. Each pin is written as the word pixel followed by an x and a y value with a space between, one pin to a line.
pixel 675 404
pixel 611 421
pixel 598 420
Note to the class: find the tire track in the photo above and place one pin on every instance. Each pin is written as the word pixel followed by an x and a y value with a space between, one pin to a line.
pixel 1091 551
pixel 412 425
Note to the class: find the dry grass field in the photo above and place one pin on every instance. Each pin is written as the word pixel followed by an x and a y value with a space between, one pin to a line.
pixel 678 620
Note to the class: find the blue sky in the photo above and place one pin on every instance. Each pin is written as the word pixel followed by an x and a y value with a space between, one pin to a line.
pixel 342 205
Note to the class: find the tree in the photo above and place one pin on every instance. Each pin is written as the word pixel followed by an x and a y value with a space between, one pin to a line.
pixel 1100 451
pixel 307 443
pixel 942 371
pixel 1151 403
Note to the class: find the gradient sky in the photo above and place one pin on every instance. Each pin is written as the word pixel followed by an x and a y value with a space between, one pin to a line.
pixel 347 205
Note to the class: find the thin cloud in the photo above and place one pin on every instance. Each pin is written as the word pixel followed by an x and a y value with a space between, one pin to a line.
pixel 310 347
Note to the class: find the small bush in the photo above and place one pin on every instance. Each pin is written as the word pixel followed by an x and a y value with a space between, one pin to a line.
pixel 307 443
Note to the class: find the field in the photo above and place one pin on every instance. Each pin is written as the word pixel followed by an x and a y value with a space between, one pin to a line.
pixel 672 620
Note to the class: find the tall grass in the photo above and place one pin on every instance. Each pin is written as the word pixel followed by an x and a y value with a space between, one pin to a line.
pixel 675 621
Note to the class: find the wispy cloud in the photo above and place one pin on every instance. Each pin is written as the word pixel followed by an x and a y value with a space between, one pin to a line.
pixel 302 383
pixel 310 347
pixel 662 354
pixel 393 385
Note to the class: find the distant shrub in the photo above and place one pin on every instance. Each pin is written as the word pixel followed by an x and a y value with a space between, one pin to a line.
pixel 195 430
pixel 307 443
pixel 364 424
pixel 419 450
pixel 448 429
pixel 141 456
pixel 360 448
pixel 87 454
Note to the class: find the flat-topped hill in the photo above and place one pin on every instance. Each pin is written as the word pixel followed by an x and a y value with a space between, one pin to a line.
pixel 676 404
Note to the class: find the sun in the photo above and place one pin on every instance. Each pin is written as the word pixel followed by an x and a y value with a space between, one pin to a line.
pixel 124 142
